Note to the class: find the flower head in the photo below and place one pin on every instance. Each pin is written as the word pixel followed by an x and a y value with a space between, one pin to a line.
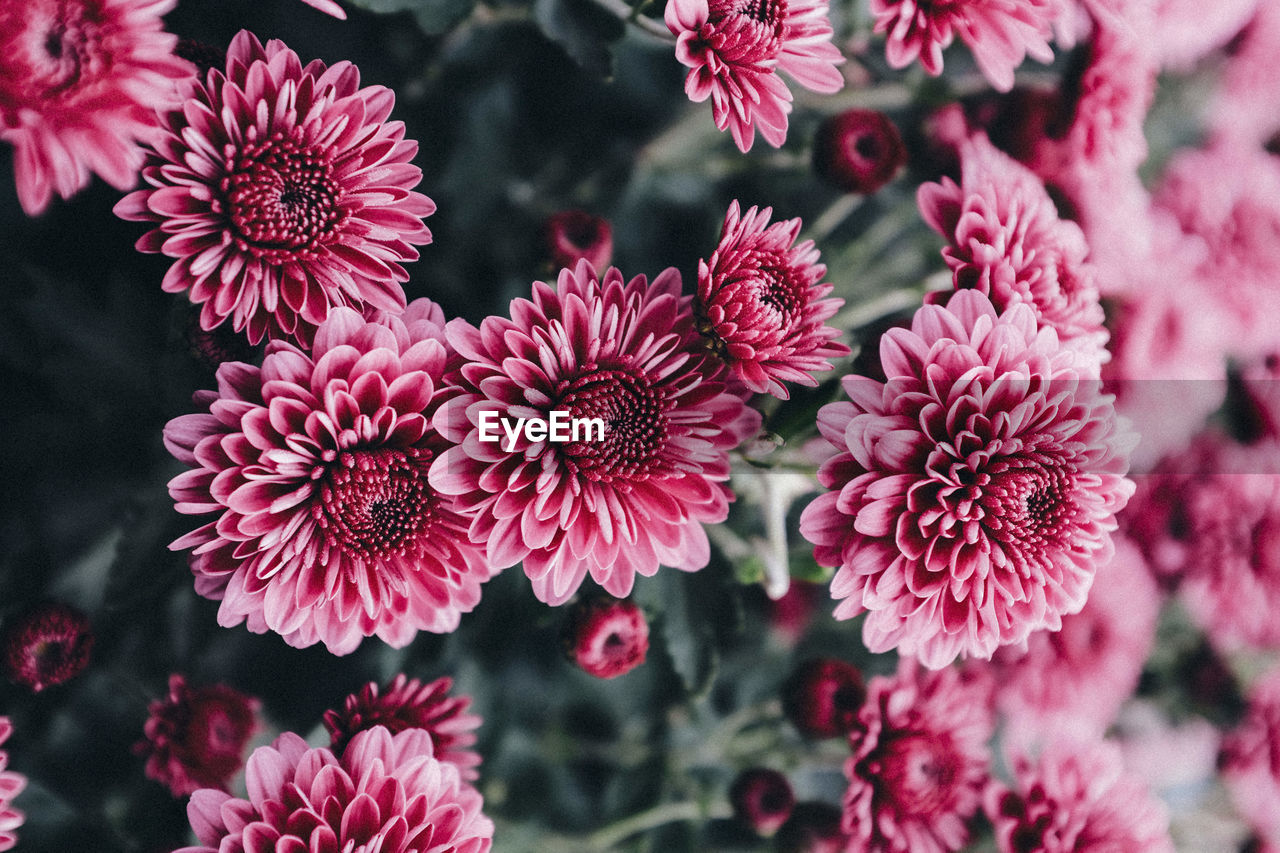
pixel 575 235
pixel 823 696
pixel 859 151
pixel 1077 797
pixel 621 355
pixel 1249 761
pixel 282 191
pixel 975 490
pixel 407 703
pixel 607 637
pixel 919 762
pixel 195 736
pixel 47 645
pixel 315 466
pixel 79 84
pixel 386 792
pixel 11 784
pixel 760 305
pixel 762 799
pixel 735 49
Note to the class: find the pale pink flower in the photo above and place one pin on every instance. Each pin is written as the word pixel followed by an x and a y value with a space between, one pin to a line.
pixel 919 763
pixel 762 306
pixel 407 703
pixel 315 467
pixel 1077 797
pixel 328 7
pixel 1000 33
pixel 975 490
pixel 385 793
pixel 736 49
pixel 1007 241
pixel 1250 760
pixel 1246 106
pixel 196 736
pixel 1187 30
pixel 282 191
pixel 80 81
pixel 11 785
pixel 624 353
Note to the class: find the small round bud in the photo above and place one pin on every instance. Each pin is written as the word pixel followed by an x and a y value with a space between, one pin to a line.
pixel 47 645
pixel 762 799
pixel 822 697
pixel 812 828
pixel 574 235
pixel 858 151
pixel 607 637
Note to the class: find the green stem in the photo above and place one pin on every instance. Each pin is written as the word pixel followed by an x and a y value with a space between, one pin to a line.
pixel 660 815
pixel 627 14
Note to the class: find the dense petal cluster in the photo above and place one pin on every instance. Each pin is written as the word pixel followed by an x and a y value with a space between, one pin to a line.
pixel 1007 241
pixel 735 50
pixel 79 84
pixel 761 306
pixel 47 645
pixel 196 736
pixel 1250 760
pixel 407 703
pixel 623 355
pixel 919 763
pixel 974 491
pixel 282 191
pixel 606 637
pixel 11 784
pixel 315 466
pixel 385 793
pixel 999 32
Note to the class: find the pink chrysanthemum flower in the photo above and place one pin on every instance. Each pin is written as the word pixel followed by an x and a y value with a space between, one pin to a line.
pixel 602 351
pixel 11 784
pixel 735 51
pixel 79 84
pixel 975 490
pixel 760 304
pixel 386 793
pixel 315 465
pixel 196 736
pixel 606 637
pixel 1076 797
pixel 1007 241
pixel 1246 106
pixel 919 762
pixel 1249 761
pixel 407 703
pixel 48 645
pixel 1000 33
pixel 282 191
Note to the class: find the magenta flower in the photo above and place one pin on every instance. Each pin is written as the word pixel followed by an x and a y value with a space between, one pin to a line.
pixel 762 800
pixel 974 491
pixel 760 304
pixel 1007 241
pixel 735 51
pixel 315 466
pixel 858 151
pixel 195 736
pixel 606 637
pixel 11 785
pixel 386 793
pixel 282 191
pixel 575 235
pixel 620 355
pixel 1000 33
pixel 1077 797
pixel 919 762
pixel 823 697
pixel 1250 760
pixel 407 703
pixel 49 644
pixel 79 84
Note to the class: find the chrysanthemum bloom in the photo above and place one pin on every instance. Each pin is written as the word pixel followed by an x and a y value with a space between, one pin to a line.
pixel 386 793
pixel 407 703
pixel 1077 796
pixel 1007 241
pixel 606 637
pixel 47 645
pixel 315 466
pixel 919 762
pixel 999 33
pixel 761 306
pixel 602 352
pixel 858 151
pixel 975 490
pixel 1249 761
pixel 735 51
pixel 575 235
pixel 762 799
pixel 1073 681
pixel 823 697
pixel 80 81
pixel 195 736
pixel 11 784
pixel 282 191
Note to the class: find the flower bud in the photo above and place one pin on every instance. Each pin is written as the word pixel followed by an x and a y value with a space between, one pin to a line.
pixel 858 151
pixel 607 637
pixel 823 696
pixel 574 235
pixel 47 645
pixel 762 799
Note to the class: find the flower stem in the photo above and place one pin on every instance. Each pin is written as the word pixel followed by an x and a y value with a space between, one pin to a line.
pixel 660 815
pixel 628 14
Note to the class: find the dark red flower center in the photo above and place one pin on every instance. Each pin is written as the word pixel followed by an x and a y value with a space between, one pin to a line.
pixel 281 195
pixel 377 502
pixel 916 772
pixel 634 413
pixel 70 45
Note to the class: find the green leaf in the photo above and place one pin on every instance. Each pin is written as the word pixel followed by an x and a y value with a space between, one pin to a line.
pixel 434 16
pixel 583 29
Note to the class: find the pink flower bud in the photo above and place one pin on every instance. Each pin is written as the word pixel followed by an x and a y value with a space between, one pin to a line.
pixel 823 696
pixel 607 637
pixel 859 151
pixel 47 645
pixel 762 799
pixel 575 235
